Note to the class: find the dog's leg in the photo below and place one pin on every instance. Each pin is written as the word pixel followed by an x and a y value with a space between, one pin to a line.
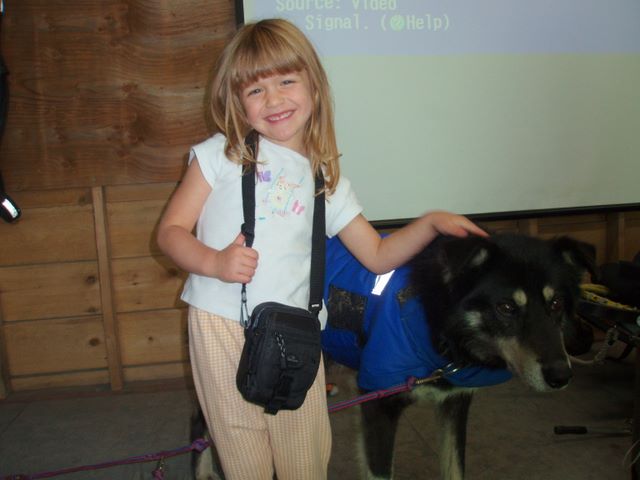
pixel 453 413
pixel 379 425
pixel 204 465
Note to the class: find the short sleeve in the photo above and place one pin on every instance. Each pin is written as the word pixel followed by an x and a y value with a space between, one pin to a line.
pixel 341 207
pixel 211 157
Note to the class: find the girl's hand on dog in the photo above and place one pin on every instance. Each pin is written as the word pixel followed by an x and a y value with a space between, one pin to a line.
pixel 447 223
pixel 236 263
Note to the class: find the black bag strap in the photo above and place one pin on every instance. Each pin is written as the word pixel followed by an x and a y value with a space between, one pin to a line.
pixel 248 191
pixel 317 237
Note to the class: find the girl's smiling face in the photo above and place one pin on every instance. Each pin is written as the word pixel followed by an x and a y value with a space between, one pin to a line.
pixel 279 107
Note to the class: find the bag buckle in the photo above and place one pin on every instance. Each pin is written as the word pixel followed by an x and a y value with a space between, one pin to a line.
pixel 244 310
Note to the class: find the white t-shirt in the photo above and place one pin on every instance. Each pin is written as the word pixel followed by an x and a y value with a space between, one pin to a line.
pixel 284 222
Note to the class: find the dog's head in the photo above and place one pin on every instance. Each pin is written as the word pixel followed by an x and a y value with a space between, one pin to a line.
pixel 504 300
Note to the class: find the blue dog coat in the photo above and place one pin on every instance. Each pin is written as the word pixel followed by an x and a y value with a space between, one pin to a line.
pixel 379 328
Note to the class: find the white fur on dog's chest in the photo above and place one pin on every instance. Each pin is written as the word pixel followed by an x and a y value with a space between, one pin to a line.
pixel 434 394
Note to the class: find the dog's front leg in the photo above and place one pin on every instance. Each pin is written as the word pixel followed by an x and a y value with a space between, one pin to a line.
pixel 453 412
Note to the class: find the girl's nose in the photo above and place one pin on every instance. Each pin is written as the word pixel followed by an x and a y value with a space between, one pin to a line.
pixel 274 98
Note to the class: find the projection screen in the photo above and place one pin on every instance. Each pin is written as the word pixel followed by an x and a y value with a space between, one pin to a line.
pixel 480 107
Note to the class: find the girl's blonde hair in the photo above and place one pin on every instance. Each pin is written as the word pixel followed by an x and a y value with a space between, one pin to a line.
pixel 259 50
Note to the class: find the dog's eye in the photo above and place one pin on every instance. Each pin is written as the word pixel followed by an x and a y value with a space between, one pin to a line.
pixel 506 308
pixel 557 305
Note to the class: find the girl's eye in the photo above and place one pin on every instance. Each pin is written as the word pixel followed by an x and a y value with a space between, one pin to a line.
pixel 252 90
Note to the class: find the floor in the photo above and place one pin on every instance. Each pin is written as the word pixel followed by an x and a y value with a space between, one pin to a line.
pixel 510 432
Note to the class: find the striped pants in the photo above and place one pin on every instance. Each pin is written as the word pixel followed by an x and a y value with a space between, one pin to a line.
pixel 250 443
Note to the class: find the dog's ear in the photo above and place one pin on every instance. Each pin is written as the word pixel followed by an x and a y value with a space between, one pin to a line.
pixel 582 255
pixel 461 255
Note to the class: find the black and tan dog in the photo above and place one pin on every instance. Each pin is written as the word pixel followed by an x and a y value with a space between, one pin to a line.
pixel 479 308
pixel 487 306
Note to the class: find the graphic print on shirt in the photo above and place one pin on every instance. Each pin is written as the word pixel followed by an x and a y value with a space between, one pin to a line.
pixel 280 197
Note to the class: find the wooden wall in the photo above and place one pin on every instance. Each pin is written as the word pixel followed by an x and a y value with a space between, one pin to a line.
pixel 87 298
pixel 106 98
pixel 106 92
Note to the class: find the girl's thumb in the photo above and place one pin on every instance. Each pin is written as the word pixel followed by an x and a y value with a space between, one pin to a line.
pixel 239 239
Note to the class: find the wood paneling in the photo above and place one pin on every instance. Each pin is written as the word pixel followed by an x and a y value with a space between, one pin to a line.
pixel 132 227
pixel 157 336
pixel 131 193
pixel 106 292
pixel 632 236
pixel 49 234
pixel 49 291
pixel 107 96
pixel 134 212
pixel 146 283
pixel 60 380
pixel 167 371
pixel 501 226
pixel 107 92
pixel 67 197
pixel 59 345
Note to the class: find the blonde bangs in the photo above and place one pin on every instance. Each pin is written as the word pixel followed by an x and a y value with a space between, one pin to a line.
pixel 262 56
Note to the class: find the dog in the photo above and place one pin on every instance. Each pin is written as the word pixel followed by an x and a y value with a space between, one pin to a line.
pixel 488 308
pixel 473 310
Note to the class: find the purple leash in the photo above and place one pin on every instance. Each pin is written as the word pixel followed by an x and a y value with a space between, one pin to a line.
pixel 409 385
pixel 158 474
pixel 403 387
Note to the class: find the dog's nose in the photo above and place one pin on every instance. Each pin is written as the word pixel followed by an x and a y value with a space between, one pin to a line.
pixel 557 375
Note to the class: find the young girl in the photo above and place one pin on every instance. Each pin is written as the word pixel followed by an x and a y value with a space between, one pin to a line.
pixel 269 80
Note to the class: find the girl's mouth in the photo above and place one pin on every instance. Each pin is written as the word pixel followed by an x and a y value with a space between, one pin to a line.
pixel 279 116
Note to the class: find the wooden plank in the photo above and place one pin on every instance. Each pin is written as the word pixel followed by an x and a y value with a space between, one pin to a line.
pixel 107 92
pixel 64 197
pixel 632 235
pixel 4 371
pixel 61 380
pixel 132 193
pixel 559 220
pixel 157 336
pixel 106 295
pixel 147 283
pixel 166 371
pixel 615 231
pixel 49 291
pixel 499 226
pixel 132 228
pixel 60 345
pixel 51 234
pixel 529 226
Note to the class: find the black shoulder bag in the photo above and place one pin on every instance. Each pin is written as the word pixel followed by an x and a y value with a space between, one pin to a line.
pixel 281 354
